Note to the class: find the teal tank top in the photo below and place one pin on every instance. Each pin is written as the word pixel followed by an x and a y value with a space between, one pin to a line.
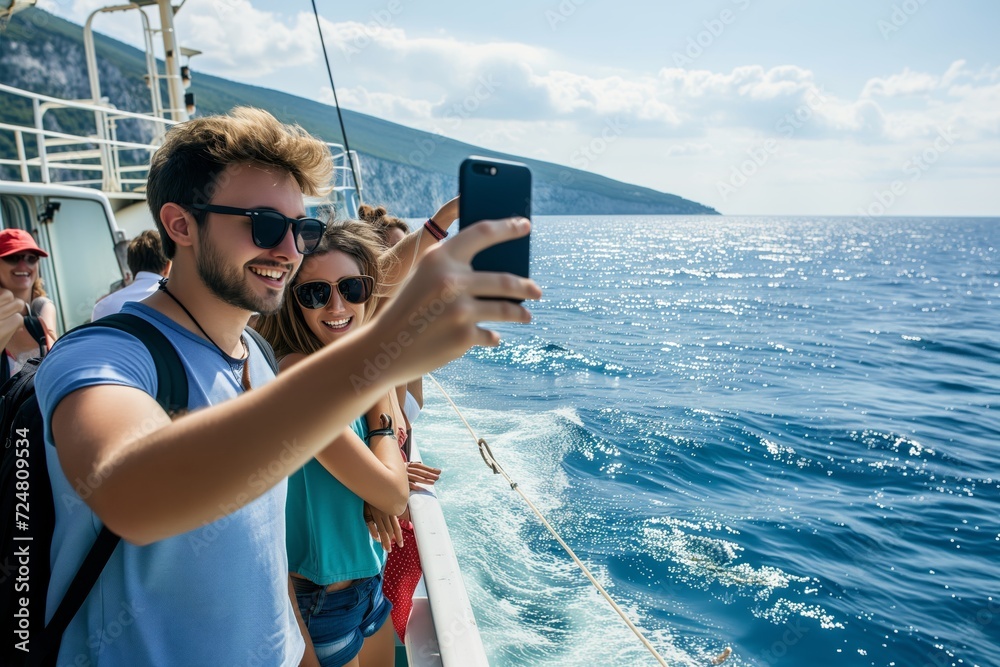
pixel 326 535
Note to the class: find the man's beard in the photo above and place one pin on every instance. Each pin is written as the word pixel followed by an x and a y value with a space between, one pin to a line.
pixel 229 284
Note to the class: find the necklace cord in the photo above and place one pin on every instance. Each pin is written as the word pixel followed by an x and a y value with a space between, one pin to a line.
pixel 245 381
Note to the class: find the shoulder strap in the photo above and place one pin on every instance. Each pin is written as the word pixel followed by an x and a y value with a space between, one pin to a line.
pixel 79 588
pixel 171 380
pixel 37 331
pixel 172 395
pixel 265 347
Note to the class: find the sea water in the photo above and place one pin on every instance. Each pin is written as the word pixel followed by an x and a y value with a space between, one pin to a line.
pixel 778 435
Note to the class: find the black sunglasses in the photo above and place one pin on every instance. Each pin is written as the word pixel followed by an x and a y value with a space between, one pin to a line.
pixel 316 293
pixel 29 257
pixel 269 227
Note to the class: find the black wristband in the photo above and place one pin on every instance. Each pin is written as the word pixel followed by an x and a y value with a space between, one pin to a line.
pixel 379 431
pixel 388 430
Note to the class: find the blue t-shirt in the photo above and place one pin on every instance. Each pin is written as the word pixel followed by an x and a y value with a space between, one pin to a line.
pixel 216 595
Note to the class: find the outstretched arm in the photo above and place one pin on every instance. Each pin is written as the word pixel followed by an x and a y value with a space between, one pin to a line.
pixel 400 258
pixel 156 478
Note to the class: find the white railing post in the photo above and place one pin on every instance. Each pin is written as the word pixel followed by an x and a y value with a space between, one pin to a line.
pixel 22 157
pixel 356 177
pixel 43 160
pixel 100 119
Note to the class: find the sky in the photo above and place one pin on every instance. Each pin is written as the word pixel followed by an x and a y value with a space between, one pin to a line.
pixel 854 107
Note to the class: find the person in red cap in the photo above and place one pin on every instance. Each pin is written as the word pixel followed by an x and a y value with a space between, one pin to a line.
pixel 21 293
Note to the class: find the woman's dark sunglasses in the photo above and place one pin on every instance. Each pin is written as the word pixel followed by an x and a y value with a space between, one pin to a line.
pixel 29 257
pixel 316 293
pixel 269 227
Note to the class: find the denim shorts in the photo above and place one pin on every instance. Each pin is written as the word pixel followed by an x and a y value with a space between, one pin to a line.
pixel 339 621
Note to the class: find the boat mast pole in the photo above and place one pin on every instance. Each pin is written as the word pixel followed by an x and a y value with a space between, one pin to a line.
pixel 172 61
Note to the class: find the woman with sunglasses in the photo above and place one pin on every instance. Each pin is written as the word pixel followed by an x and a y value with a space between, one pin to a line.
pixel 19 256
pixel 336 558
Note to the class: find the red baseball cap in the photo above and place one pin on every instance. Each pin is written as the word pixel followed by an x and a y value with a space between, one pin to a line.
pixel 13 241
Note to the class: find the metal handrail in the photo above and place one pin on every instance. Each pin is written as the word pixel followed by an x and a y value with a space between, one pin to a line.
pixel 442 630
pixel 106 148
pixel 85 105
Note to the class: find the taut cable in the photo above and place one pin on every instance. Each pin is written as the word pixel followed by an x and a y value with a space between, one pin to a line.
pixel 484 451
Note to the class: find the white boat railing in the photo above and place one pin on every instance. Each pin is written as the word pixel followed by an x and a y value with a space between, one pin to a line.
pixel 102 160
pixel 442 630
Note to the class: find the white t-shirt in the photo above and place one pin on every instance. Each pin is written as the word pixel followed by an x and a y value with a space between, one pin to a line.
pixel 145 283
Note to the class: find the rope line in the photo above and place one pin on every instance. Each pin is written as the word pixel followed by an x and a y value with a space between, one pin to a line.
pixel 336 102
pixel 484 451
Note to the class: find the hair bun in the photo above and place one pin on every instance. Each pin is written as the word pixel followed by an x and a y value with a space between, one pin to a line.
pixel 372 214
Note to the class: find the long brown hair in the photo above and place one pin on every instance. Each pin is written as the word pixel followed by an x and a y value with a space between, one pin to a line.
pixel 286 330
pixel 38 288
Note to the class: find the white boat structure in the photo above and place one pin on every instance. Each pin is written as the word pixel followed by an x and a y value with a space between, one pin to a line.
pixel 82 197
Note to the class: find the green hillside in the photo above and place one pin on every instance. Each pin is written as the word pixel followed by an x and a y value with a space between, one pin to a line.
pixel 407 169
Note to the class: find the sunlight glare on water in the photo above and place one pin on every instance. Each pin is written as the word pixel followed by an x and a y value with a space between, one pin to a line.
pixel 774 434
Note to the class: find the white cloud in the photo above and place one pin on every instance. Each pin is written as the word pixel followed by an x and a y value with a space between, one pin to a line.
pixel 532 101
pixel 898 85
pixel 689 148
pixel 918 104
pixel 433 79
pixel 381 105
pixel 240 41
pixel 124 26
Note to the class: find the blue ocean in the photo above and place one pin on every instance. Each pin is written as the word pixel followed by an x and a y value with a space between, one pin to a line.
pixel 778 435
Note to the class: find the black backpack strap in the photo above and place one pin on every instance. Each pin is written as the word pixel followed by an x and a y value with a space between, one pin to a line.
pixel 36 330
pixel 79 588
pixel 171 379
pixel 172 395
pixel 265 347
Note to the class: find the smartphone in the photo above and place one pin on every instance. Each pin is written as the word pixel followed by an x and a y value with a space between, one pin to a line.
pixel 492 189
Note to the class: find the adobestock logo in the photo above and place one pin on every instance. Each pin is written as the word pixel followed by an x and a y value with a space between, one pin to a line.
pixel 714 28
pixel 425 147
pixel 900 16
pixel 760 153
pixel 382 19
pixel 915 168
pixel 562 12
pixel 419 320
pixel 586 155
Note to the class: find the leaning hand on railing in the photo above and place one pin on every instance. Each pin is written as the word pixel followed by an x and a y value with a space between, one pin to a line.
pixel 383 527
pixel 418 473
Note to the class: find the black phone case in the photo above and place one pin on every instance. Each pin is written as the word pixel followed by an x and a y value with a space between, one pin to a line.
pixel 503 192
